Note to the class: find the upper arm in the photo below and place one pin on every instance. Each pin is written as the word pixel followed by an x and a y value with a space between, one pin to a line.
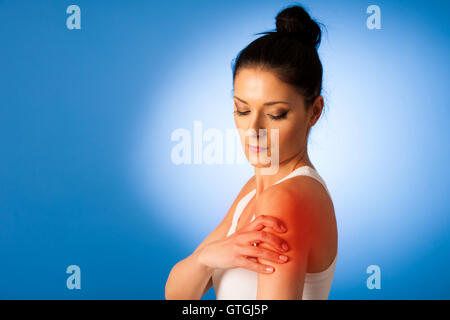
pixel 295 210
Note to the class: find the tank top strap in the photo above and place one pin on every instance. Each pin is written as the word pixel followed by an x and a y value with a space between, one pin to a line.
pixel 305 171
pixel 239 208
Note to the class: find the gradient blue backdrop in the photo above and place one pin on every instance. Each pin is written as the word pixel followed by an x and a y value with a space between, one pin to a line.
pixel 86 117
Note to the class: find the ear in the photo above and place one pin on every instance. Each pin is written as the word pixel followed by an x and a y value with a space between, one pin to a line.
pixel 316 110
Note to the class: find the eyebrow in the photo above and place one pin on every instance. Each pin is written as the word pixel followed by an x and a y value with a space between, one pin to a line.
pixel 264 104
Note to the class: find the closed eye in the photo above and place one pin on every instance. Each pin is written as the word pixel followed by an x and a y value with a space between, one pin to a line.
pixel 278 117
pixel 241 113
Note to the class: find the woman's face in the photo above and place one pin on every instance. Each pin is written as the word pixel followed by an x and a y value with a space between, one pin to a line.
pixel 262 101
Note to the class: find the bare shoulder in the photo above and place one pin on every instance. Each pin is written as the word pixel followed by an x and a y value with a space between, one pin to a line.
pixel 286 202
pixel 299 195
pixel 303 204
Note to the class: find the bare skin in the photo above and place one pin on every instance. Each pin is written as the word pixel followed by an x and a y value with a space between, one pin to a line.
pixel 300 204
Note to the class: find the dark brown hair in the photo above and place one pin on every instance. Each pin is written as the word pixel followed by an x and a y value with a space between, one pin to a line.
pixel 290 52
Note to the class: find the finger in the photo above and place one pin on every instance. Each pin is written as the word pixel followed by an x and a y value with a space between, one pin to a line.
pixel 254 266
pixel 265 221
pixel 248 238
pixel 263 253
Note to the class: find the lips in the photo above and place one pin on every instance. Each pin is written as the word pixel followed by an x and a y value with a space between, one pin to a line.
pixel 256 148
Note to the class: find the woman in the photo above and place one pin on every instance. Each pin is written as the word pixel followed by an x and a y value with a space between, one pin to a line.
pixel 279 238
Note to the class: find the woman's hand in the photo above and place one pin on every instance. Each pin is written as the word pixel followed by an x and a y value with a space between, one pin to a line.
pixel 240 249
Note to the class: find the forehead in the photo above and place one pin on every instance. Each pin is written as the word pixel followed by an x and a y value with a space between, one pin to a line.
pixel 260 85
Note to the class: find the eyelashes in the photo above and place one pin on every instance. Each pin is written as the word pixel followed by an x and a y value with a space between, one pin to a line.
pixel 239 113
pixel 279 117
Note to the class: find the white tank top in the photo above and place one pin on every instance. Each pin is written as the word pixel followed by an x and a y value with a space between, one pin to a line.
pixel 242 284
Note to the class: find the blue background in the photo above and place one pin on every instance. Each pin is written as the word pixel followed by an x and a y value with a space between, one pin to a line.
pixel 86 118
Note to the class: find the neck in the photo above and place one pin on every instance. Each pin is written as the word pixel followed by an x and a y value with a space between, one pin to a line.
pixel 284 168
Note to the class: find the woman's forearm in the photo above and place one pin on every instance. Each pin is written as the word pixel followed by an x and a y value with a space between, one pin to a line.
pixel 188 279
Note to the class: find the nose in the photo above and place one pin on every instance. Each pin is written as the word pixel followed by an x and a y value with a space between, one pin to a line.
pixel 256 129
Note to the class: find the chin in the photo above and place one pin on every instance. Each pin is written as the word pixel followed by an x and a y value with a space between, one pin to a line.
pixel 260 164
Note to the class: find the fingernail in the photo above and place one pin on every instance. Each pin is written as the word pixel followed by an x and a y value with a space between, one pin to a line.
pixel 285 246
pixel 283 257
pixel 269 269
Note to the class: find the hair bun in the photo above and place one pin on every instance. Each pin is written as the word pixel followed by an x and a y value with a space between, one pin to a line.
pixel 295 21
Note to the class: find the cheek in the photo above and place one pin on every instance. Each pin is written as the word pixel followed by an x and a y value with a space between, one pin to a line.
pixel 289 138
pixel 241 122
pixel 286 140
